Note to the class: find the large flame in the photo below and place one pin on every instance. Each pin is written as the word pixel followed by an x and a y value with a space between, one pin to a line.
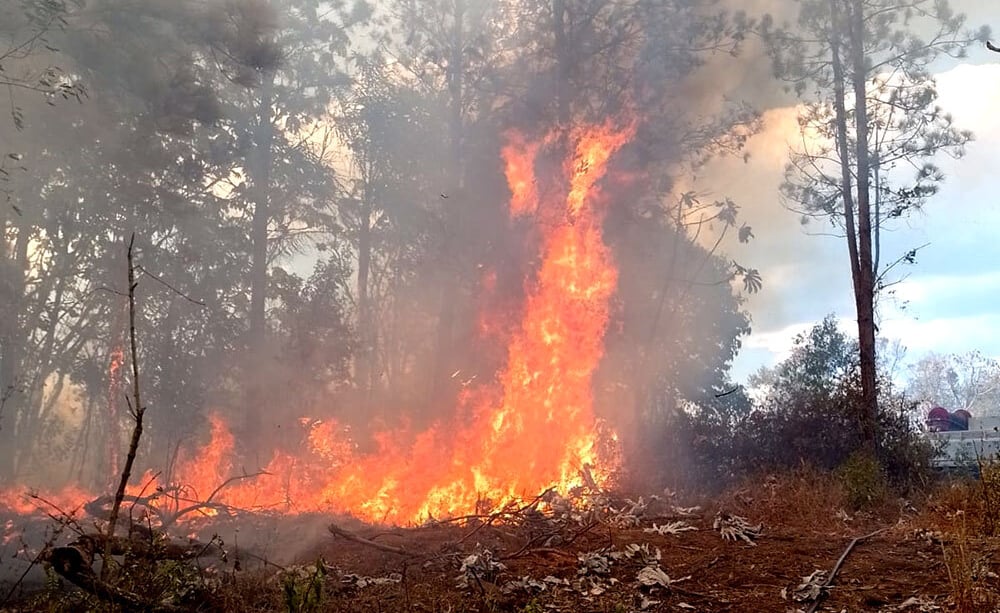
pixel 534 429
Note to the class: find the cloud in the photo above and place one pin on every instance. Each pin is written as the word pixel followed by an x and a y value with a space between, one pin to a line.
pixel 949 300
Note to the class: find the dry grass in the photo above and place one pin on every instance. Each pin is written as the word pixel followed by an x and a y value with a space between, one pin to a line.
pixel 973 583
pixel 804 500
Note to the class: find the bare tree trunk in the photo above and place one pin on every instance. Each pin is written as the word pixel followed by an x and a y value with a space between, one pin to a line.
pixel 13 340
pixel 856 219
pixel 261 182
pixel 366 333
pixel 260 167
pixel 452 209
pixel 865 284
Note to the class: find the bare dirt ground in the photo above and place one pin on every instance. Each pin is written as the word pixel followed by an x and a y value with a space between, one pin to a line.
pixel 904 566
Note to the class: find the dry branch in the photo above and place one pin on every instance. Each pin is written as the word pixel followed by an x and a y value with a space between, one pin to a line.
pixel 137 411
pixel 152 548
pixel 208 502
pixel 836 568
pixel 336 531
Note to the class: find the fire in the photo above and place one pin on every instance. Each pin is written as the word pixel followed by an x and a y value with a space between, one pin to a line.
pixel 116 361
pixel 534 428
pixel 519 158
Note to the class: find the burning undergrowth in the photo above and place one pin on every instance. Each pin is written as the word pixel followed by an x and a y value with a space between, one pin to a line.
pixel 533 430
pixel 480 556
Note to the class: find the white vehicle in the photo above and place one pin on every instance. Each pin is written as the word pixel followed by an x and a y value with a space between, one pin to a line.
pixel 963 438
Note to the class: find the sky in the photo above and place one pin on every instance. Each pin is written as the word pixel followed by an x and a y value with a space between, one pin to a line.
pixel 947 302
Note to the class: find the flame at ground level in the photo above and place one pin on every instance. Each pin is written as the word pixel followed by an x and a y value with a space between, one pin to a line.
pixel 536 430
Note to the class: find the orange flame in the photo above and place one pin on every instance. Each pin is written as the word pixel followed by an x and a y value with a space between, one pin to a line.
pixel 536 429
pixel 116 361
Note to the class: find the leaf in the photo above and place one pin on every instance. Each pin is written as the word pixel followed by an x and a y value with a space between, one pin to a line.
pixel 653 576
pixel 745 234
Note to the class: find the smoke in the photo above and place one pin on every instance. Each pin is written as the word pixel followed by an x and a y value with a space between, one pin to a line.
pixel 396 275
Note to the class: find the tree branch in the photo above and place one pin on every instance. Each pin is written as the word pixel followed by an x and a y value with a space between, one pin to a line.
pixel 137 413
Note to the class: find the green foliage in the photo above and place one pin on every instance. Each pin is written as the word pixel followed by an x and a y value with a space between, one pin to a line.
pixel 533 607
pixel 303 588
pixel 906 126
pixel 863 480
pixel 807 413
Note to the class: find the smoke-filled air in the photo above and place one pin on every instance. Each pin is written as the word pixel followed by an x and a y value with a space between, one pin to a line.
pixel 486 305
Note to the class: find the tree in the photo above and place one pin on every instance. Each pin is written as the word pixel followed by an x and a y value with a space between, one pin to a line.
pixel 391 131
pixel 807 413
pixel 144 155
pixel 870 131
pixel 969 381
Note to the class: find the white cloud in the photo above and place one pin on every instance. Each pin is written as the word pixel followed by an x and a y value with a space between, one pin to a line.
pixel 779 343
pixel 951 297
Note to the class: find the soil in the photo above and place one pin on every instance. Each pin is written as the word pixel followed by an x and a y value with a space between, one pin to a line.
pixel 900 568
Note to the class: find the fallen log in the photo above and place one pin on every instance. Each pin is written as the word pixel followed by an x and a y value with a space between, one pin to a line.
pixel 74 562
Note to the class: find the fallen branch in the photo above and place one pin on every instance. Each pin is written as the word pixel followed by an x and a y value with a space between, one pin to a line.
pixel 153 548
pixel 547 551
pixel 208 503
pixel 336 531
pixel 75 561
pixel 98 508
pixel 836 568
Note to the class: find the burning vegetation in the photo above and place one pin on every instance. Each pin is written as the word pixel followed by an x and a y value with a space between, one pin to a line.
pixel 429 317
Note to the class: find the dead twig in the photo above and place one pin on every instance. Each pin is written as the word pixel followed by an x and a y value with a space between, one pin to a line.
pixel 550 551
pixel 836 568
pixel 490 517
pixel 170 287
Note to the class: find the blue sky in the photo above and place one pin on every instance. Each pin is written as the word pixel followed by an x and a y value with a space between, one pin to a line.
pixel 949 301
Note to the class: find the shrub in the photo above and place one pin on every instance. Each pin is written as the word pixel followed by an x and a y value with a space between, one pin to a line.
pixel 863 480
pixel 808 415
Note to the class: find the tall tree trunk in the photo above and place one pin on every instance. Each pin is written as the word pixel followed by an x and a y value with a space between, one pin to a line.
pixel 261 183
pixel 366 331
pixel 865 284
pixel 451 266
pixel 36 411
pixel 260 168
pixel 14 394
pixel 853 217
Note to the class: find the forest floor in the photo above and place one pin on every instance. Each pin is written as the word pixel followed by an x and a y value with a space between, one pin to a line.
pixel 918 559
pixel 662 555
